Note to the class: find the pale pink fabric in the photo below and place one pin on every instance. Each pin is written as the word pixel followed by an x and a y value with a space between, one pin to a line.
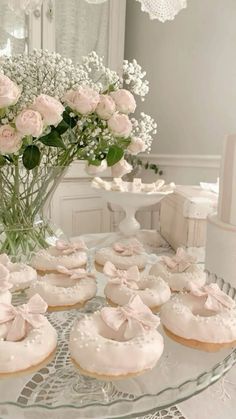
pixel 67 248
pixel 180 262
pixel 134 247
pixel 122 277
pixel 75 273
pixel 216 300
pixel 21 316
pixel 135 317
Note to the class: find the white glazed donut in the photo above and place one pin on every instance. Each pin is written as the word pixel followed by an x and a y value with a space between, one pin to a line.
pixel 20 274
pixel 122 285
pixel 26 337
pixel 203 319
pixel 5 295
pixel 66 288
pixel 69 255
pixel 117 342
pixel 123 255
pixel 179 271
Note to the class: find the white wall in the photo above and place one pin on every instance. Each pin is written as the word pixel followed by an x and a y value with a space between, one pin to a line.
pixel 191 65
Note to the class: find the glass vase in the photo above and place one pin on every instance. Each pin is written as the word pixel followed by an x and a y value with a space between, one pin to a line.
pixel 25 196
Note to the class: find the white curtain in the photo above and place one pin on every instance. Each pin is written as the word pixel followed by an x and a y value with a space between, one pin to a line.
pixel 81 27
pixel 13 31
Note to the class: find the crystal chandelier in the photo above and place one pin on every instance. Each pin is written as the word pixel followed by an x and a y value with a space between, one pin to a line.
pixel 162 9
pixel 157 9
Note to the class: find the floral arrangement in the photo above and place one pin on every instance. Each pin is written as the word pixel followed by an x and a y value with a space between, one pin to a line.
pixel 53 112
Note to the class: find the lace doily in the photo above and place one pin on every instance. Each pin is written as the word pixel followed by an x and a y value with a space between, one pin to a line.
pixel 162 9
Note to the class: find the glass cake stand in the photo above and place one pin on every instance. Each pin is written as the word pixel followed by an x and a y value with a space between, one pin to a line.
pixel 59 389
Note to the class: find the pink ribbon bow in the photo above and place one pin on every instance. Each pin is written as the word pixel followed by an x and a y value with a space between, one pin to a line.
pixel 22 316
pixel 67 248
pixel 5 285
pixel 120 277
pixel 129 249
pixel 135 318
pixel 180 262
pixel 75 273
pixel 216 300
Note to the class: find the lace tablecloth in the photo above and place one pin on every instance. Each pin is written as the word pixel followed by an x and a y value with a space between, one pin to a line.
pixel 219 400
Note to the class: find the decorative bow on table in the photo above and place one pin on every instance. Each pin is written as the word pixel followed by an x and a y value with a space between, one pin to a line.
pixel 135 317
pixel 75 273
pixel 30 313
pixel 121 277
pixel 180 262
pixel 134 247
pixel 67 248
pixel 5 285
pixel 216 300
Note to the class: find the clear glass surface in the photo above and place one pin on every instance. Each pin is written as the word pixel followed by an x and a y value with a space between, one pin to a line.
pixel 59 388
pixel 74 21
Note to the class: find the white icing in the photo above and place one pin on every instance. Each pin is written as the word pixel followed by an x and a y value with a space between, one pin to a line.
pixel 60 290
pixel 31 351
pixel 185 316
pixel 49 259
pixel 97 348
pixel 5 297
pixel 121 262
pixel 20 274
pixel 179 281
pixel 152 291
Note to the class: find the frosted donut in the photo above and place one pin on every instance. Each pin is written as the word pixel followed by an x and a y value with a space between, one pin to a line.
pixel 117 342
pixel 5 286
pixel 66 288
pixel 204 319
pixel 69 255
pixel 179 271
pixel 20 274
pixel 26 337
pixel 122 285
pixel 123 255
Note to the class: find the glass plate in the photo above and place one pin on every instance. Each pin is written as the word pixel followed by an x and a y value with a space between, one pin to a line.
pixel 58 389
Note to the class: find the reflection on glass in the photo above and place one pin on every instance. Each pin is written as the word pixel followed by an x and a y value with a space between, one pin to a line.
pixel 13 31
pixel 81 28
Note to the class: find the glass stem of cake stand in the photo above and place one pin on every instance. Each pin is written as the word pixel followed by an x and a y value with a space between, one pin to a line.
pixel 129 226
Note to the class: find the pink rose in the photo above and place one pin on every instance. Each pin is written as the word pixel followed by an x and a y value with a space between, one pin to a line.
pixel 10 140
pixel 121 168
pixel 124 100
pixel 106 107
pixel 136 146
pixel 29 122
pixel 9 92
pixel 94 170
pixel 83 100
pixel 120 125
pixel 50 109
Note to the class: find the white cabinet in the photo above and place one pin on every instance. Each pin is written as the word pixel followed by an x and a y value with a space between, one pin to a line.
pixel 76 207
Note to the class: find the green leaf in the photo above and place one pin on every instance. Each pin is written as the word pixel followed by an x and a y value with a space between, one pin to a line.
pixel 71 122
pixel 95 162
pixel 53 139
pixel 62 127
pixel 31 157
pixel 2 161
pixel 114 155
